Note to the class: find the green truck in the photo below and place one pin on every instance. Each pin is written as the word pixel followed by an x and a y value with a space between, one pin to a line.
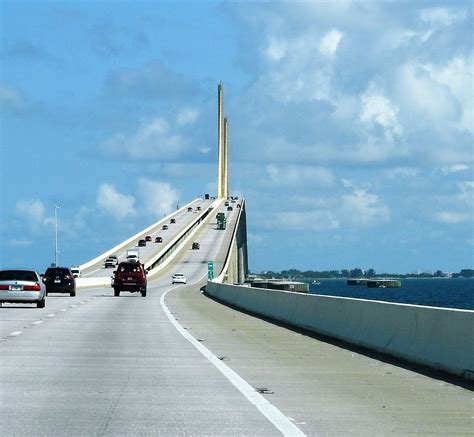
pixel 221 221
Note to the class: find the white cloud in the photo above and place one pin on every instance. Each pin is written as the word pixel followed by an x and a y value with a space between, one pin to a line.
pixel 443 16
pixel 452 217
pixel 455 168
pixel 315 220
pixel 11 98
pixel 276 49
pixel 298 175
pixel 187 116
pixel 361 209
pixel 458 76
pixel 158 197
pixel 376 108
pixel 20 243
pixel 114 203
pixel 34 211
pixel 153 139
pixel 330 42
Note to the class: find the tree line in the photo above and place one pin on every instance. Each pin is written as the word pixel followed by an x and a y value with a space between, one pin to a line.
pixel 356 273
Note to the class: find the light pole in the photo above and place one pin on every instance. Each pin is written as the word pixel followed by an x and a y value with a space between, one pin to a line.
pixel 56 207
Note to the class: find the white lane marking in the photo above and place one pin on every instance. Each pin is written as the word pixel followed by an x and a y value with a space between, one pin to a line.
pixel 51 315
pixel 16 333
pixel 273 414
pixel 38 322
pixel 73 306
pixel 63 310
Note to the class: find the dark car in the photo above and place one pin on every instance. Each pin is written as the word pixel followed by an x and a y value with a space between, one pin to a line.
pixel 190 209
pixel 196 246
pixel 172 221
pixel 59 280
pixel 129 276
pixel 148 238
pixel 158 240
pixel 141 243
pixel 165 227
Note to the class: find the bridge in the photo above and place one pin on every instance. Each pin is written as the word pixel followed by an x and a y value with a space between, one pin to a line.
pixel 216 357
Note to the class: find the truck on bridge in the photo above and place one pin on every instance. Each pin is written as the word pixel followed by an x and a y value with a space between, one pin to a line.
pixel 221 220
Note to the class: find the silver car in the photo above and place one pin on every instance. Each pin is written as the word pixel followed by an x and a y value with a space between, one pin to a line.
pixel 22 286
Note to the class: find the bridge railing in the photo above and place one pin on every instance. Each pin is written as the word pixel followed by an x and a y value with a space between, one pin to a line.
pixel 221 277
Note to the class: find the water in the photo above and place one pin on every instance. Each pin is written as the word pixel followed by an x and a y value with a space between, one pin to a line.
pixel 446 293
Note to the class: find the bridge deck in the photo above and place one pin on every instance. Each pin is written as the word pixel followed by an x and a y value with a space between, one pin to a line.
pixel 326 389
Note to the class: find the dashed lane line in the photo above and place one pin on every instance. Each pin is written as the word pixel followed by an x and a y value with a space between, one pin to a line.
pixel 16 333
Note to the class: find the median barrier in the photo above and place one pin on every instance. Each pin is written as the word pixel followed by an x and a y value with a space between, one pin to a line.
pixel 103 281
pixel 440 338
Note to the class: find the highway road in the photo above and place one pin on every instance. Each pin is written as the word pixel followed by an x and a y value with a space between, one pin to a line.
pixel 183 219
pixel 98 365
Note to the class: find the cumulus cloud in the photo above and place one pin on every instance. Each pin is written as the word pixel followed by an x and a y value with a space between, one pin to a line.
pixel 187 116
pixel 361 209
pixel 298 175
pixel 452 217
pixel 443 16
pixel 115 204
pixel 34 212
pixel 11 98
pixel 329 42
pixel 151 81
pixel 276 49
pixel 376 108
pixel 158 197
pixel 153 139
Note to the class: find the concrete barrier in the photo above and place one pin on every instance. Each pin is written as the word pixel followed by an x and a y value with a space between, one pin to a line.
pixel 103 281
pixel 439 338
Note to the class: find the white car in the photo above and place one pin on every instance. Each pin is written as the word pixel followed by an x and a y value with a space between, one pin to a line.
pixel 76 271
pixel 178 278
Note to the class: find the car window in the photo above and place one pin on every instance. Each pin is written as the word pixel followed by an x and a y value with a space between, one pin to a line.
pixel 57 271
pixel 18 275
pixel 129 268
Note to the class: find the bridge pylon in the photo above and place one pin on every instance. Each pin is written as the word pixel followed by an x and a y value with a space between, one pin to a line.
pixel 222 146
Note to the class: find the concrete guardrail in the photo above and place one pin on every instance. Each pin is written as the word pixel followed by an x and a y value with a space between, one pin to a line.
pixel 439 338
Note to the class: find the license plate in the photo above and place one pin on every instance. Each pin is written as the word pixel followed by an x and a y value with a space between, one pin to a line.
pixel 129 279
pixel 57 281
pixel 16 287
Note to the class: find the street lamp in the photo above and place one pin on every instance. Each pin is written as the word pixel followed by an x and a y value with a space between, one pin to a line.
pixel 56 207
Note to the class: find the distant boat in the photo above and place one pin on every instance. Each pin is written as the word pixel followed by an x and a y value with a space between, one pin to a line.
pixel 316 283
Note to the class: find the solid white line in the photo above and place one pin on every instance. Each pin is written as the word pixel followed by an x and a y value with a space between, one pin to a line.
pixel 16 333
pixel 273 414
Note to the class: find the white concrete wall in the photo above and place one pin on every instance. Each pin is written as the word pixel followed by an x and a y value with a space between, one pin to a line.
pixel 436 337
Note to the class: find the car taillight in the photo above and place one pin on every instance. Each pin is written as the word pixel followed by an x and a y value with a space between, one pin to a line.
pixel 35 287
pixel 67 277
pixel 4 287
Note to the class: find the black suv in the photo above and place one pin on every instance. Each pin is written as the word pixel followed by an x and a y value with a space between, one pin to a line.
pixel 196 246
pixel 59 280
pixel 129 276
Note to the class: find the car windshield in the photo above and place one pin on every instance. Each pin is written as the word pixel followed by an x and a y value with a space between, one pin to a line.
pixel 129 268
pixel 56 271
pixel 18 275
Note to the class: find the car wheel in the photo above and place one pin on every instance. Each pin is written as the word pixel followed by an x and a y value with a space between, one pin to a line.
pixel 40 304
pixel 143 292
pixel 116 292
pixel 73 293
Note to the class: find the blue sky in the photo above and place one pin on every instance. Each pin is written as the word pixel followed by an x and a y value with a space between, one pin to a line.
pixel 351 127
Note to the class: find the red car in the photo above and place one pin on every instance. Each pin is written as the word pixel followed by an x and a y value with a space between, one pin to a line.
pixel 148 238
pixel 129 276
